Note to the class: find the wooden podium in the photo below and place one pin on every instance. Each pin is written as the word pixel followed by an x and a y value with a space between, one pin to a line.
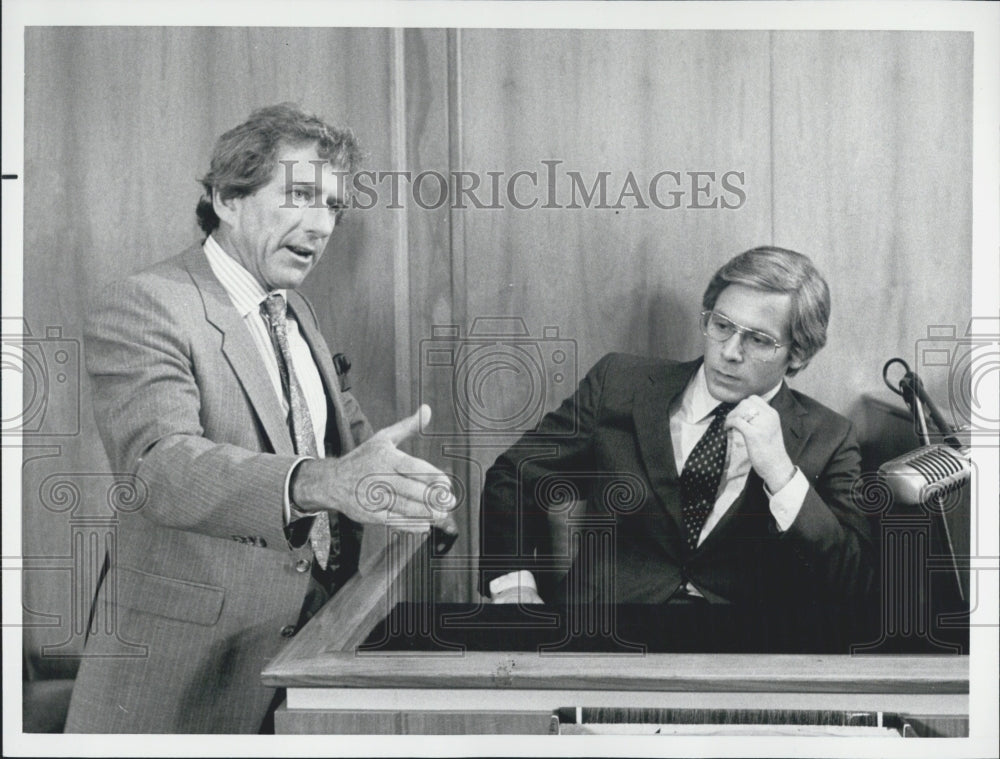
pixel 338 684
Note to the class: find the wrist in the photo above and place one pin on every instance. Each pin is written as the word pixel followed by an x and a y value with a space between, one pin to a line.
pixel 300 486
pixel 784 475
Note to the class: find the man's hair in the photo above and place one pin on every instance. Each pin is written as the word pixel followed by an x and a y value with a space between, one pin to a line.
pixel 780 270
pixel 244 158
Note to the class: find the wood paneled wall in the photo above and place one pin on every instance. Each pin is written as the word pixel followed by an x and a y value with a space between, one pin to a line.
pixel 119 124
pixel 853 147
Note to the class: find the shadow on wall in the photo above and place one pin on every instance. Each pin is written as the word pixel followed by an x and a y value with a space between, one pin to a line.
pixel 885 430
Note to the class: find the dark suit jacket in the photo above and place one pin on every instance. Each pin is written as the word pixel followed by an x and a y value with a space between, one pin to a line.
pixel 627 545
pixel 203 580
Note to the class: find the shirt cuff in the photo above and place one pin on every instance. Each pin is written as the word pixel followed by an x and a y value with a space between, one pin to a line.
pixel 289 512
pixel 521 579
pixel 787 502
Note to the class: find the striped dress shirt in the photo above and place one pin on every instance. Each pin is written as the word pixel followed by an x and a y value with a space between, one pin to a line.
pixel 246 294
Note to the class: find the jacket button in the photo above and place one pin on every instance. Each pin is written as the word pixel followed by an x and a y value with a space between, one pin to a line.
pixel 302 565
pixel 288 631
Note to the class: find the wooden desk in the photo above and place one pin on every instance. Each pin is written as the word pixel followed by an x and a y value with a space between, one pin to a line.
pixel 333 687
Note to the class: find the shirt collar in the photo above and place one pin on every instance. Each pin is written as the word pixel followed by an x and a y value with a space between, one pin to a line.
pixel 240 285
pixel 697 402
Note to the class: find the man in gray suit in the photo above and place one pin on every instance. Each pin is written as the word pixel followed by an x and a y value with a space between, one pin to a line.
pixel 214 386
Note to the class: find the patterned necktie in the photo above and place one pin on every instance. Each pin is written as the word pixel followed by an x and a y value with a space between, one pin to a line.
pixel 321 537
pixel 701 475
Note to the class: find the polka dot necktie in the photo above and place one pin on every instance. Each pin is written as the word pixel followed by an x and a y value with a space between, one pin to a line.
pixel 323 542
pixel 701 475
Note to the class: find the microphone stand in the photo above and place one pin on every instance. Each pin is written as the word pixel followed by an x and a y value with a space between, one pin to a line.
pixel 939 503
pixel 913 393
pixel 910 392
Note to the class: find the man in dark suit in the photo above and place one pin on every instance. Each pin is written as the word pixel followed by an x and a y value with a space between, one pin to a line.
pixel 213 385
pixel 718 482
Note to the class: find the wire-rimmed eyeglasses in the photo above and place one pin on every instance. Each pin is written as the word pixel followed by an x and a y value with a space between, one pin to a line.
pixel 755 345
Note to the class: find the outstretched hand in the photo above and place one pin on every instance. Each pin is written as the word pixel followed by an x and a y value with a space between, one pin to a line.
pixel 376 483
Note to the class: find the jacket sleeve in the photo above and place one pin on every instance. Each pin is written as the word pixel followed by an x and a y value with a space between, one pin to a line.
pixel 830 536
pixel 514 523
pixel 148 408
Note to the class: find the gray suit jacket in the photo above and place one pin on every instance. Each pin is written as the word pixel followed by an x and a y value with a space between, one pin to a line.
pixel 203 587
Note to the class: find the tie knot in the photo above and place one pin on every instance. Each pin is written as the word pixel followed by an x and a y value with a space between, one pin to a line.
pixel 274 307
pixel 721 410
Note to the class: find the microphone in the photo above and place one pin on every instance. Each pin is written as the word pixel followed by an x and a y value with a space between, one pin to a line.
pixel 912 382
pixel 927 474
pixel 917 400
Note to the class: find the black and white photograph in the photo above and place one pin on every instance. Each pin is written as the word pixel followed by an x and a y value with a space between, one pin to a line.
pixel 501 378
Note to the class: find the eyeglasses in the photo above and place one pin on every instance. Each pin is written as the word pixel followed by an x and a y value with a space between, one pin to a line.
pixel 755 345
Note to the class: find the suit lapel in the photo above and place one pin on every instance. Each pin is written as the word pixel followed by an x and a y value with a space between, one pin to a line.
pixel 324 362
pixel 650 415
pixel 240 351
pixel 791 413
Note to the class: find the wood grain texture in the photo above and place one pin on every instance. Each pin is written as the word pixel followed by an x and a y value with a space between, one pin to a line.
pixel 855 146
pixel 437 285
pixel 311 722
pixel 610 279
pixel 873 179
pixel 668 672
pixel 317 710
pixel 119 124
pixel 599 278
pixel 347 619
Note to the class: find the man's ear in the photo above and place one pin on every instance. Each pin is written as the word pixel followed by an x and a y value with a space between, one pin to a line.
pixel 794 363
pixel 225 209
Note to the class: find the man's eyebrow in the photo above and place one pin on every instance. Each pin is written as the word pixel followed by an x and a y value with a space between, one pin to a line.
pixel 765 333
pixel 336 201
pixel 751 329
pixel 332 200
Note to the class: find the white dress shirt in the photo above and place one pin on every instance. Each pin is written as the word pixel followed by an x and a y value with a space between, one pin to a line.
pixel 247 295
pixel 690 416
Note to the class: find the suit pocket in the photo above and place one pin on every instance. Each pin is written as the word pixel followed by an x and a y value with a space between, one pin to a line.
pixel 169 597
